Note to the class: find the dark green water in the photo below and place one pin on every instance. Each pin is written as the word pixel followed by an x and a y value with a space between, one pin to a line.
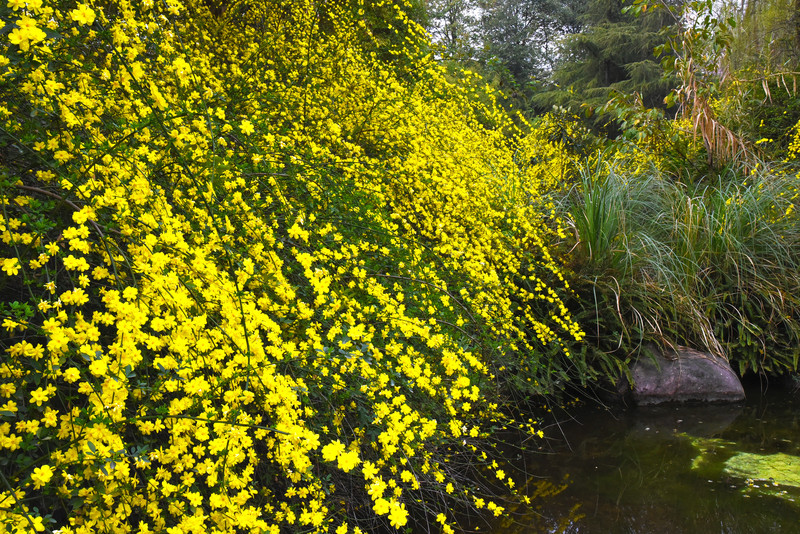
pixel 681 469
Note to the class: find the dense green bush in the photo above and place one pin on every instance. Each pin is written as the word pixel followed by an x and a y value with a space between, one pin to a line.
pixel 711 264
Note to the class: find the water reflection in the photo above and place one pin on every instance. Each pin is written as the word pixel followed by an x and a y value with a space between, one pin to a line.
pixel 668 469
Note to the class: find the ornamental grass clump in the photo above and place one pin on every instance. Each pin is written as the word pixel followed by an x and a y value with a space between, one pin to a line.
pixel 259 267
pixel 711 264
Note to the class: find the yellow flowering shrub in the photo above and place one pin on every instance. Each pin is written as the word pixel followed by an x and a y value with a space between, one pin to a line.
pixel 259 266
pixel 794 144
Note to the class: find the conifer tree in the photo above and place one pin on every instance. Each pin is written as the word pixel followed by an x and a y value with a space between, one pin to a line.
pixel 613 54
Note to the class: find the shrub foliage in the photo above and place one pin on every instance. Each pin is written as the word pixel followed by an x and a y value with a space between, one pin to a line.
pixel 261 265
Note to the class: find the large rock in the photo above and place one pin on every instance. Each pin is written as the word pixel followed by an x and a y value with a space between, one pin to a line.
pixel 684 375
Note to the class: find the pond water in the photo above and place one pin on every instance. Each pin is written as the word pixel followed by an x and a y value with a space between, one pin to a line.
pixel 730 469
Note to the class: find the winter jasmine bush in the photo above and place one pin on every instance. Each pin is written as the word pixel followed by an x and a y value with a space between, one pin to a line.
pixel 262 270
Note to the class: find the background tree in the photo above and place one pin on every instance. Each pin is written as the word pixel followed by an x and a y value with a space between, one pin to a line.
pixel 524 34
pixel 452 24
pixel 767 32
pixel 520 40
pixel 614 53
pixel 762 59
pixel 512 44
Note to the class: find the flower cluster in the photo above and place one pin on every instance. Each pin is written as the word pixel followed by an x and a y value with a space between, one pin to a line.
pixel 257 262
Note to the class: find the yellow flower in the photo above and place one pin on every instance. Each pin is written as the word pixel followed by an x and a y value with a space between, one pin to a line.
pixel 71 263
pixel 10 266
pixel 50 417
pixel 247 127
pixel 377 488
pixel 381 506
pixel 369 470
pixel 38 524
pixel 38 396
pixel 26 34
pixel 41 476
pixel 348 461
pixel 332 450
pixel 10 325
pixel 77 296
pixel 83 14
pixel 71 374
pixel 398 516
pixel 98 367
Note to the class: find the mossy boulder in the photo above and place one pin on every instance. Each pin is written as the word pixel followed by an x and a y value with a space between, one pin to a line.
pixel 684 375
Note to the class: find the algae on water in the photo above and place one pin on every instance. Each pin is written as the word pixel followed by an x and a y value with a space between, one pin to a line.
pixel 780 468
pixel 711 452
pixel 779 472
